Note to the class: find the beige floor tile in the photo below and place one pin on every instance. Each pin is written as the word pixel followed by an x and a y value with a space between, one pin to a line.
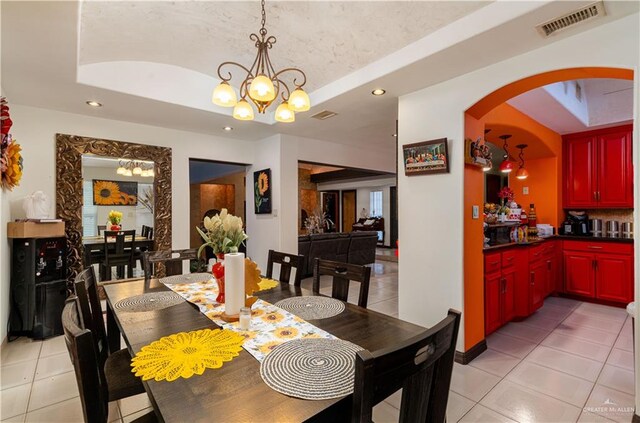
pixel 621 358
pixel 624 343
pixel 23 349
pixel 385 307
pixel 602 311
pixel 471 382
pixel 572 364
pixel 457 406
pixel 509 345
pixel 527 405
pixel 17 374
pixel 612 404
pixel 587 417
pixel 553 312
pixel 68 411
pixel 53 365
pixel 541 322
pixel 385 413
pixel 551 382
pixel 53 346
pixel 52 390
pixel 562 302
pixel 133 404
pixel 495 362
pixel 618 379
pixel 524 332
pixel 14 419
pixel 588 334
pixel 481 414
pixel 577 346
pixel 114 412
pixel 14 401
pixel 578 319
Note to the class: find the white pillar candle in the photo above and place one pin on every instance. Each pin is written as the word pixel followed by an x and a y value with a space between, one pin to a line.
pixel 234 283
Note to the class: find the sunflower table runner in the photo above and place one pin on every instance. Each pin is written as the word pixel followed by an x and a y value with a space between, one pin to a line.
pixel 270 325
pixel 186 354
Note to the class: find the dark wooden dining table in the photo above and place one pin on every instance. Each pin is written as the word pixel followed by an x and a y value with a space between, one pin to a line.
pixel 235 392
pixel 94 247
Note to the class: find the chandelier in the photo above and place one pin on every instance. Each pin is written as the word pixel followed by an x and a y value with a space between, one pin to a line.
pixel 262 84
pixel 132 167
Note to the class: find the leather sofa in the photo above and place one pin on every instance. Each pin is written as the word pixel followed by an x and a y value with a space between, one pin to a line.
pixel 354 247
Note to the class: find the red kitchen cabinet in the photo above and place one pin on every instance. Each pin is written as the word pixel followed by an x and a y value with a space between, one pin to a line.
pixel 598 169
pixel 499 287
pixel 613 273
pixel 538 283
pixel 579 273
pixel 508 295
pixel 492 287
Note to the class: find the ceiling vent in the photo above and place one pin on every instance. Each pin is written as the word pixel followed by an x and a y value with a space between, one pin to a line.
pixel 325 114
pixel 586 13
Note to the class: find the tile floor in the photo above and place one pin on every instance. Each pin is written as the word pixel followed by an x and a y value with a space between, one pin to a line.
pixel 570 361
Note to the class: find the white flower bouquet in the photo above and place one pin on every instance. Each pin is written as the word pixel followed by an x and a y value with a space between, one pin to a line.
pixel 223 233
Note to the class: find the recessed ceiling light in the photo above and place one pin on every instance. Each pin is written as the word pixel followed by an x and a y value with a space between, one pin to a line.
pixel 378 91
pixel 228 128
pixel 94 103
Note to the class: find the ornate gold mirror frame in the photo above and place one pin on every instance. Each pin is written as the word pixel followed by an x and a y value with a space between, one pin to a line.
pixel 69 151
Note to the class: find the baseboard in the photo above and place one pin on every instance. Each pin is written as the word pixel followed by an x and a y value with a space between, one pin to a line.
pixel 635 418
pixel 468 356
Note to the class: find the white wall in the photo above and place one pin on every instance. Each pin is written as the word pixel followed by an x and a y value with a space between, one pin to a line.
pixel 363 192
pixel 431 207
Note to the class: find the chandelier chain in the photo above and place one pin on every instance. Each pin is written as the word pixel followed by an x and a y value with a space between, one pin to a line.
pixel 263 31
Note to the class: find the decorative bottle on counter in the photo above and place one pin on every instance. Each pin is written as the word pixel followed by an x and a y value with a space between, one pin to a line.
pixel 533 229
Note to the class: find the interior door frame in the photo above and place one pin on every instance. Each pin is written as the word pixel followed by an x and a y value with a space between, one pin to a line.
pixel 355 206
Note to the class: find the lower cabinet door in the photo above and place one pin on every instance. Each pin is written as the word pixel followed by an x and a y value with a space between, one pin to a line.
pixel 508 296
pixel 538 281
pixel 579 272
pixel 614 277
pixel 492 288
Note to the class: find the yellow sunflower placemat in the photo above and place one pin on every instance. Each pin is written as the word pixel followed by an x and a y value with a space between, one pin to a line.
pixel 186 354
pixel 270 325
pixel 265 284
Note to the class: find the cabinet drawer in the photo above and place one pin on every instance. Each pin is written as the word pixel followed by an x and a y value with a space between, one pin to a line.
pixel 599 247
pixel 491 263
pixel 509 258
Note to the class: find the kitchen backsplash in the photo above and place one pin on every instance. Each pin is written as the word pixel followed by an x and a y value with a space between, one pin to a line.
pixel 625 215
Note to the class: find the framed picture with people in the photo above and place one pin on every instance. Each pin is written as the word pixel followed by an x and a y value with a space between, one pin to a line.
pixel 426 157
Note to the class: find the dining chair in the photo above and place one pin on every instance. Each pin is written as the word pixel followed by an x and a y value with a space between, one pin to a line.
pixel 101 228
pixel 343 274
pixel 118 253
pixel 115 363
pixel 421 366
pixel 286 262
pixel 95 390
pixel 147 232
pixel 172 259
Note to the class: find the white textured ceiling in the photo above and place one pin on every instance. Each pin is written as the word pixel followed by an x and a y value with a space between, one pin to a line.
pixel 327 40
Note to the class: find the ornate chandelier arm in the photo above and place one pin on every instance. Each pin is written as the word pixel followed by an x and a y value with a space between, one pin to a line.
pixel 304 80
pixel 249 74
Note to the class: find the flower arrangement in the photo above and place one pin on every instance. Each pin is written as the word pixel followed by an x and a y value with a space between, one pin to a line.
pixel 316 222
pixel 223 233
pixel 10 157
pixel 506 195
pixel 115 217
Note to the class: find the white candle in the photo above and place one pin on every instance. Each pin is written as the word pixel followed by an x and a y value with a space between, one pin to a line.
pixel 245 318
pixel 234 283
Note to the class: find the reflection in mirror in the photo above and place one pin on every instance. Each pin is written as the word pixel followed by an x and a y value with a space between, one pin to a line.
pixel 494 180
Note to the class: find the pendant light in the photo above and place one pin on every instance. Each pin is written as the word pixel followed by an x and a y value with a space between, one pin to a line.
pixel 522 173
pixel 507 165
pixel 489 164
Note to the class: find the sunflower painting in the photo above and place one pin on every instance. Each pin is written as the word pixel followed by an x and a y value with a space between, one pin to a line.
pixel 109 193
pixel 262 191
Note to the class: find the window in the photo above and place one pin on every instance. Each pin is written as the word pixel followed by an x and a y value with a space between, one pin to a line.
pixel 375 204
pixel 89 211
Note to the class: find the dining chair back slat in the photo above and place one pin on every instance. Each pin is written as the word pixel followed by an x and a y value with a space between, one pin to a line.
pixel 86 289
pixel 115 253
pixel 421 366
pixel 343 274
pixel 101 228
pixel 147 232
pixel 287 262
pixel 80 344
pixel 172 259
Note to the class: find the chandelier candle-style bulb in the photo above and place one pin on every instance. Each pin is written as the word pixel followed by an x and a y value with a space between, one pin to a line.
pixel 224 95
pixel 284 113
pixel 137 170
pixel 243 110
pixel 121 170
pixel 299 101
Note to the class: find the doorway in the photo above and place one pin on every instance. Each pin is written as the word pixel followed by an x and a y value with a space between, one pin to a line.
pixel 349 209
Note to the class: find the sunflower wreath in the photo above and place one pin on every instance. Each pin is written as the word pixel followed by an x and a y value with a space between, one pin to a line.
pixel 10 157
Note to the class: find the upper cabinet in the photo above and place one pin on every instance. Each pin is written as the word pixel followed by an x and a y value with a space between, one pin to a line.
pixel 598 169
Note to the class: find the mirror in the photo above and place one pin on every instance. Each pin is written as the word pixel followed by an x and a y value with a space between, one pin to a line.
pixel 71 179
pixel 494 180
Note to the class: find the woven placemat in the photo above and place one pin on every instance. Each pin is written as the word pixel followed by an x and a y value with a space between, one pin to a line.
pixel 149 302
pixel 188 278
pixel 313 369
pixel 312 308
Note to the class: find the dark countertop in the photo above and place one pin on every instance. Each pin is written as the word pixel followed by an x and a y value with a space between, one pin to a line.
pixel 560 237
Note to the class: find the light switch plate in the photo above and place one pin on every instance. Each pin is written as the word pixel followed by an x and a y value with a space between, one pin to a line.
pixel 525 190
pixel 475 214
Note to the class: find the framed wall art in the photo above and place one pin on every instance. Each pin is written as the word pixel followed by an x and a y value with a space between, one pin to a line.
pixel 262 191
pixel 112 193
pixel 426 157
